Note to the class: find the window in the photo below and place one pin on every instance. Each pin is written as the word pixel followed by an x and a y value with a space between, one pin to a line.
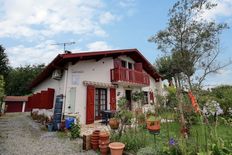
pixel 123 63
pixel 130 65
pixel 145 99
pixel 100 102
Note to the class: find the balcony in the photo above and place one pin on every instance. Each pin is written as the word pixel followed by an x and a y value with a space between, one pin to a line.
pixel 129 77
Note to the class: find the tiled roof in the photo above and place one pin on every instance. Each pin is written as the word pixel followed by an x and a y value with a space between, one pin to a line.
pixel 16 98
pixel 62 59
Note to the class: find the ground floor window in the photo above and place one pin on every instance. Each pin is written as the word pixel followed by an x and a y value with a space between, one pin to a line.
pixel 100 102
pixel 145 98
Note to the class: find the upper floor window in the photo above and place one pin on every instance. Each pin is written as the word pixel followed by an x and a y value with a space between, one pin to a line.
pixel 130 65
pixel 124 64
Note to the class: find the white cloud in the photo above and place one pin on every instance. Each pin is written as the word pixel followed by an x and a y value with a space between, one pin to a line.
pixel 223 77
pixel 223 9
pixel 98 45
pixel 41 53
pixel 108 17
pixel 30 18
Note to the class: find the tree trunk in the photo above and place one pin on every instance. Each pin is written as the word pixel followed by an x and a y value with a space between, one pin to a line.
pixel 180 103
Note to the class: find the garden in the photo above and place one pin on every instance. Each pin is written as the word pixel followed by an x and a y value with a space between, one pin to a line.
pixel 207 131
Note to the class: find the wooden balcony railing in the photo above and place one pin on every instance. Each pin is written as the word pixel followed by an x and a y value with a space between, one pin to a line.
pixel 129 75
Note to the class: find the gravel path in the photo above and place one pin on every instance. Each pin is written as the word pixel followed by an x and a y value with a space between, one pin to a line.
pixel 20 135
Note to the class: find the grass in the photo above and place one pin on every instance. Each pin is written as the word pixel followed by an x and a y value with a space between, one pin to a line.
pixel 198 139
pixel 62 135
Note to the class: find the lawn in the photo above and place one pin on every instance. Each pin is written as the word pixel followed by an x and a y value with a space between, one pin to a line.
pixel 200 136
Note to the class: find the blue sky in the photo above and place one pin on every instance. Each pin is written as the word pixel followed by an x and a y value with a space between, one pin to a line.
pixel 28 28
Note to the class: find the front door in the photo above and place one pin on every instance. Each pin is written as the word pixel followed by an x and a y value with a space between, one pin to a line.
pixel 100 102
pixel 128 97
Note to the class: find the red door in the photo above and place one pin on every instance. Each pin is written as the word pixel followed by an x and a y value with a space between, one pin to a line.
pixel 14 106
pixel 90 105
pixel 112 99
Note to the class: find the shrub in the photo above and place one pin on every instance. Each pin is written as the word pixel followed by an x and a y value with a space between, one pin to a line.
pixel 75 130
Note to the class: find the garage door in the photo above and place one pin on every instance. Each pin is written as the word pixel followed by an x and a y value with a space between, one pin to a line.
pixel 14 106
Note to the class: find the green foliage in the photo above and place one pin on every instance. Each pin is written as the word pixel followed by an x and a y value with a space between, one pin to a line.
pixel 171 97
pixel 2 84
pixel 75 130
pixel 223 95
pixel 136 96
pixel 19 79
pixel 4 62
pixel 164 66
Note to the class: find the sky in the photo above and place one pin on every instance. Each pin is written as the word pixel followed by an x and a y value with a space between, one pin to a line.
pixel 29 29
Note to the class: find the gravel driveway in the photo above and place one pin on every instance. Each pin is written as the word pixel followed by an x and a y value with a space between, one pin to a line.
pixel 20 135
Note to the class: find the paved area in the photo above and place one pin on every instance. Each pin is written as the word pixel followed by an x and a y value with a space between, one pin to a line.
pixel 20 135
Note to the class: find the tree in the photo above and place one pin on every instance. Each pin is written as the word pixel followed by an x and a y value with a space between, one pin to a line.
pixel 4 62
pixel 191 43
pixel 2 84
pixel 19 79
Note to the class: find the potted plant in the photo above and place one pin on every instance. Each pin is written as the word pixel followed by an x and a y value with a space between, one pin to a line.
pixel 50 124
pixel 116 148
pixel 140 118
pixel 114 123
pixel 153 124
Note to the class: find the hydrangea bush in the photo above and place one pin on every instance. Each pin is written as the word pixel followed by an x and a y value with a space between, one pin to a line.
pixel 212 108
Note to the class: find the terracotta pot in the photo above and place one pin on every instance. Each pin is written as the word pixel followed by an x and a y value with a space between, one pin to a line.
pixel 94 145
pixel 105 142
pixel 153 126
pixel 103 149
pixel 95 139
pixel 116 148
pixel 104 135
pixel 114 123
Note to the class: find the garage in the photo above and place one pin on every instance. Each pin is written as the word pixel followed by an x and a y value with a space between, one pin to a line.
pixel 16 103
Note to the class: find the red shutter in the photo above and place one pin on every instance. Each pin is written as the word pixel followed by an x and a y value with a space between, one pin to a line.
pixel 117 63
pixel 112 99
pixel 138 66
pixel 50 98
pixel 90 105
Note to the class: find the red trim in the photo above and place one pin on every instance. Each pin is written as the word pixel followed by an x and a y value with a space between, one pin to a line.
pixel 112 99
pixel 90 104
pixel 62 59
pixel 43 100
pixel 129 75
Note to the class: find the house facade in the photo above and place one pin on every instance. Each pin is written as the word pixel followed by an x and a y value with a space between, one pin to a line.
pixel 94 81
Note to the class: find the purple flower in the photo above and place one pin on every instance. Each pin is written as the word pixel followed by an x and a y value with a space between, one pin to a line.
pixel 172 142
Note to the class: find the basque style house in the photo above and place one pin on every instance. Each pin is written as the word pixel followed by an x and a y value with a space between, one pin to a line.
pixel 93 81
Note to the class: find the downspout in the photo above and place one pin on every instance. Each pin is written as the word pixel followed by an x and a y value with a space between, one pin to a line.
pixel 65 90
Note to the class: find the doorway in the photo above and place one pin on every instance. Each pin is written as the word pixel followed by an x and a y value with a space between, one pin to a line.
pixel 128 97
pixel 100 102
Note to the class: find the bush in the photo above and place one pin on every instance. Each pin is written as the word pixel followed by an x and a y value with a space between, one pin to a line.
pixel 75 130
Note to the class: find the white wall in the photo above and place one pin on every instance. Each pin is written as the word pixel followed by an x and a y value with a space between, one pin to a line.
pixel 90 70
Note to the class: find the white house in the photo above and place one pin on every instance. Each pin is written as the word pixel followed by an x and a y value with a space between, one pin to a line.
pixel 93 81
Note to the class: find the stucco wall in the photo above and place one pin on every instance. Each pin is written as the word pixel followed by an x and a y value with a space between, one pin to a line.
pixel 91 70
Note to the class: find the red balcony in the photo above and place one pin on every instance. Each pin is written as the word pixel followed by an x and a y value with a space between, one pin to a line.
pixel 129 76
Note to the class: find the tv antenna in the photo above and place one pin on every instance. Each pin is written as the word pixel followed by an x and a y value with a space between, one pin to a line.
pixel 65 44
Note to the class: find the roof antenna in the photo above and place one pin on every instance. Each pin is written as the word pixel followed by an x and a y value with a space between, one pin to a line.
pixel 64 44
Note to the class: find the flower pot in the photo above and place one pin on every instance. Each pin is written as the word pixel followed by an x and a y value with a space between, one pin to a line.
pixel 95 139
pixel 50 127
pixel 103 149
pixel 153 126
pixel 116 148
pixel 114 123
